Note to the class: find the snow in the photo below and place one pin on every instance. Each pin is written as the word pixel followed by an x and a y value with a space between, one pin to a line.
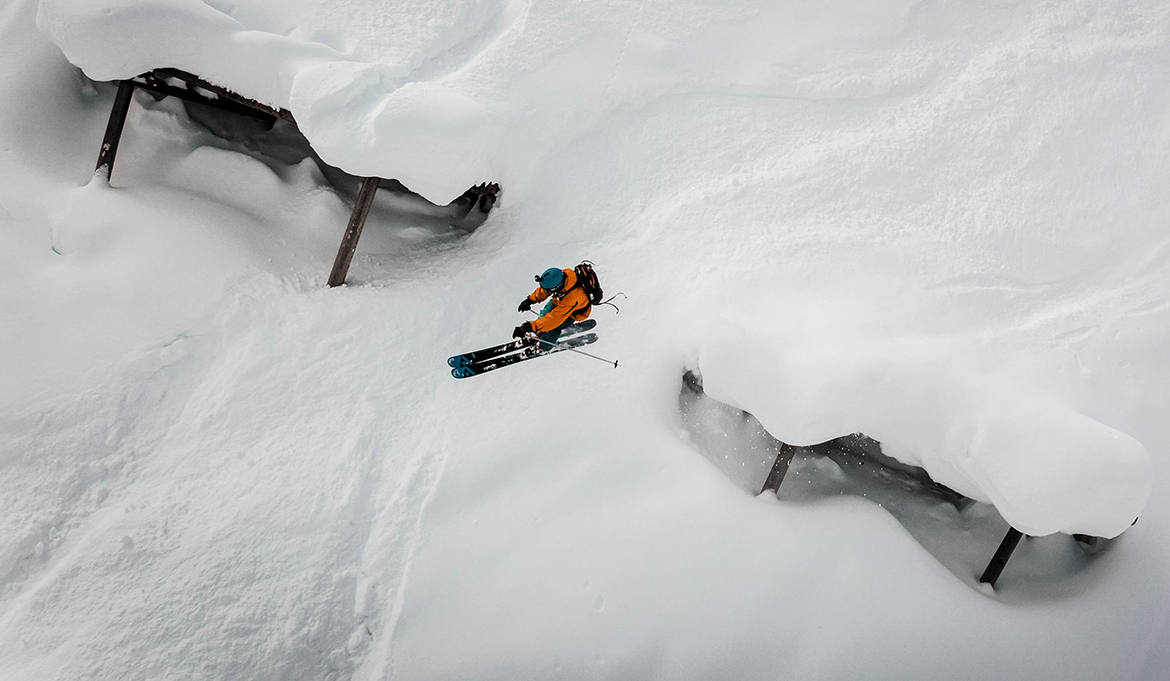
pixel 445 95
pixel 942 224
pixel 1045 467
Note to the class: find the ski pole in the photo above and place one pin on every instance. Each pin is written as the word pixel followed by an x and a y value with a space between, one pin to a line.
pixel 579 352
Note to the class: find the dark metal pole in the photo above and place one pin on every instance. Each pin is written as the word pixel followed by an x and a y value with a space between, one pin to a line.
pixel 114 128
pixel 1000 559
pixel 353 232
pixel 779 468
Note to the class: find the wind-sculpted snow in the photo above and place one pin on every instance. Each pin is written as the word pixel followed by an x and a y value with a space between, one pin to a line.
pixel 443 95
pixel 1045 467
pixel 941 223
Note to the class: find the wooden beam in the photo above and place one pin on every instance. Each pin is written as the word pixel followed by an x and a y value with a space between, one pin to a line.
pixel 353 232
pixel 109 150
pixel 194 81
pixel 1000 559
pixel 779 468
pixel 164 88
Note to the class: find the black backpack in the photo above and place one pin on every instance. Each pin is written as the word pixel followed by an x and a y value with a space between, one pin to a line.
pixel 587 280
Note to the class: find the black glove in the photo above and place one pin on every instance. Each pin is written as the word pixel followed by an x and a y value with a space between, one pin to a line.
pixel 522 330
pixel 525 305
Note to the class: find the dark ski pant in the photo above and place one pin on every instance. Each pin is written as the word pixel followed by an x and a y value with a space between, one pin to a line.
pixel 552 336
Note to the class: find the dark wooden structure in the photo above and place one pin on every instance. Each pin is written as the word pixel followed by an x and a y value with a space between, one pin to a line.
pixel 856 452
pixel 779 468
pixel 183 85
pixel 191 88
pixel 105 162
pixel 353 231
pixel 482 196
pixel 1000 559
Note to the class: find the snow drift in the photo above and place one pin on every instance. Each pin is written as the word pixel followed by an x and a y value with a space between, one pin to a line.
pixel 448 95
pixel 1045 467
pixel 444 95
pixel 924 220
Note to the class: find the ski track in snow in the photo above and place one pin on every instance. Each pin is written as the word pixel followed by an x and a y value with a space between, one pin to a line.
pixel 430 476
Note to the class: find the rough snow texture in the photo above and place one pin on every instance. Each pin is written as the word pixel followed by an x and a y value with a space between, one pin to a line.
pixel 445 95
pixel 905 218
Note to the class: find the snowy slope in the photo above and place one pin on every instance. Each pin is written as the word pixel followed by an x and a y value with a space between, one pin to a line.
pixel 445 94
pixel 213 467
pixel 462 106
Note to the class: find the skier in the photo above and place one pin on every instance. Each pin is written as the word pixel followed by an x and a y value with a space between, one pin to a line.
pixel 570 303
pixel 571 295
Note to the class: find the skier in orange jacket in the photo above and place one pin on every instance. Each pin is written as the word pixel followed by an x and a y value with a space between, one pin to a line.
pixel 569 304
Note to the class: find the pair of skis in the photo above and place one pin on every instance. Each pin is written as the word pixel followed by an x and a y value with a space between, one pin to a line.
pixel 489 359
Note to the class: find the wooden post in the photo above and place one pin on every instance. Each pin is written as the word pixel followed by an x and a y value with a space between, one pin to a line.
pixel 779 468
pixel 114 128
pixel 353 232
pixel 1000 559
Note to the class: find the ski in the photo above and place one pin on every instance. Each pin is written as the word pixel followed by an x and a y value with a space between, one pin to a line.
pixel 512 346
pixel 529 352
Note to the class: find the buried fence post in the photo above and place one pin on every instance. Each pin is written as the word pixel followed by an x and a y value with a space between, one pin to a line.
pixel 779 468
pixel 357 220
pixel 1000 559
pixel 114 128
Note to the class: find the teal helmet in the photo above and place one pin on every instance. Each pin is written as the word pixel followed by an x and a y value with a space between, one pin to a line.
pixel 551 279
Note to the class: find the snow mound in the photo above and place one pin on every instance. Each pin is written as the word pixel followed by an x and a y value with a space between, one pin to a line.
pixel 1044 466
pixel 443 95
pixel 211 466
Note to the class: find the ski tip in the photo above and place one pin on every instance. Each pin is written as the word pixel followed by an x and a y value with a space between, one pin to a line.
pixel 457 361
pixel 463 372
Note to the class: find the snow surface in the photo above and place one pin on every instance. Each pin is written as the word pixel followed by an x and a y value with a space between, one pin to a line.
pixel 942 223
pixel 445 98
pixel 1044 466
pixel 443 95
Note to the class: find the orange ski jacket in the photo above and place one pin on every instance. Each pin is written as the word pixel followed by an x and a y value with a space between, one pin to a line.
pixel 570 302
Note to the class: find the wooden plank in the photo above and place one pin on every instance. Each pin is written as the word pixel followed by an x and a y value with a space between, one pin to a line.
pixel 193 81
pixel 1000 559
pixel 353 232
pixel 163 88
pixel 109 150
pixel 779 468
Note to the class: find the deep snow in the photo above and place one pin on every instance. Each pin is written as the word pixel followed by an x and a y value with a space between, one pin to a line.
pixel 213 467
pixel 442 128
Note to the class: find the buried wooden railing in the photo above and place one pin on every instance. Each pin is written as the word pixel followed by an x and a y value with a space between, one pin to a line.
pixel 779 468
pixel 990 574
pixel 353 231
pixel 1088 542
pixel 109 150
pixel 192 88
pixel 1000 559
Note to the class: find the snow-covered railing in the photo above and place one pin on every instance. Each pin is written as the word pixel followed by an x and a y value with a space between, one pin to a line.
pixel 189 87
pixel 182 85
pixel 744 449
